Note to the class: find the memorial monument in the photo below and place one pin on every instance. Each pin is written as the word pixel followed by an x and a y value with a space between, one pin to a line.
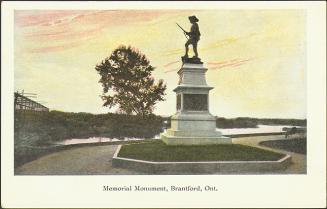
pixel 193 124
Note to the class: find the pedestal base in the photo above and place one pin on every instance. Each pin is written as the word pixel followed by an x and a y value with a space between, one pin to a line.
pixel 193 128
pixel 194 140
pixel 193 124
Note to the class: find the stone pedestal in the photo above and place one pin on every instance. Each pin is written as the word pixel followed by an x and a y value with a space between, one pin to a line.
pixel 193 124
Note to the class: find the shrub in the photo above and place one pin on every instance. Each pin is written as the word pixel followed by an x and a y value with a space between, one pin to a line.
pixel 56 126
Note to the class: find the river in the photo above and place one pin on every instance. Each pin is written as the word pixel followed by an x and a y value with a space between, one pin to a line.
pixel 229 131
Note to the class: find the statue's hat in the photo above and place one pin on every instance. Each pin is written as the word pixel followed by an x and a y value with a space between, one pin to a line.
pixel 193 19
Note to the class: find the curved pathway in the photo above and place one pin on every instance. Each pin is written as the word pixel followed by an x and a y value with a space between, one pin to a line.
pixel 92 160
pixel 96 160
pixel 299 161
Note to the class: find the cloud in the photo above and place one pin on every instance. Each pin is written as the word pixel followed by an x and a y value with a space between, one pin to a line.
pixel 54 48
pixel 48 28
pixel 227 41
pixel 167 67
pixel 172 70
pixel 181 50
pixel 74 22
pixel 63 34
pixel 214 65
pixel 173 52
pixel 171 63
pixel 217 44
pixel 29 18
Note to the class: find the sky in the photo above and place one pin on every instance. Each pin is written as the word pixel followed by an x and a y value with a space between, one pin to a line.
pixel 256 59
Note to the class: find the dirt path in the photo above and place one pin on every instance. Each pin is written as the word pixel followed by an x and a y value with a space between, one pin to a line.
pixel 96 160
pixel 93 160
pixel 299 161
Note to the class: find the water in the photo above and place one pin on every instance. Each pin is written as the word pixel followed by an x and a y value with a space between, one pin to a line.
pixel 260 129
pixel 95 140
pixel 231 131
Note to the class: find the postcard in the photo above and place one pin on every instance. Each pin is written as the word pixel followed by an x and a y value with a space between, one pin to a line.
pixel 164 104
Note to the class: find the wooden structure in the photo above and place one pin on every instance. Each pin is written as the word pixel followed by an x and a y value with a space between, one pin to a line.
pixel 24 103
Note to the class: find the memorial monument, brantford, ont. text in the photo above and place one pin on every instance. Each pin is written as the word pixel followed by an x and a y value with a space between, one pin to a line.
pixel 193 124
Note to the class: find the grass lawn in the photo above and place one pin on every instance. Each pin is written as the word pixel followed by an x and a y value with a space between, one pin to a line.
pixel 297 145
pixel 158 151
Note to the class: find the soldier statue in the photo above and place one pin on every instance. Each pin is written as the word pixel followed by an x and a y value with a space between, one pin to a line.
pixel 192 39
pixel 194 36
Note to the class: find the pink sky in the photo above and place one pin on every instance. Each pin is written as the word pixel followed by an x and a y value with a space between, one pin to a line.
pixel 73 26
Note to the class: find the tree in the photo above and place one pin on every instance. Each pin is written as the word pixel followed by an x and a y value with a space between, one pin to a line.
pixel 127 82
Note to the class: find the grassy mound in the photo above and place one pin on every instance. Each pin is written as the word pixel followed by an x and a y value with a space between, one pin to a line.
pixel 158 151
